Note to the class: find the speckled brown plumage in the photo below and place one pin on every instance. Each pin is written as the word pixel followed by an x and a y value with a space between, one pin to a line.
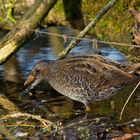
pixel 84 78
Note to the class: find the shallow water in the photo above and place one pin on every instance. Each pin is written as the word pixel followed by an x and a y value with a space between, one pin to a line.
pixel 47 102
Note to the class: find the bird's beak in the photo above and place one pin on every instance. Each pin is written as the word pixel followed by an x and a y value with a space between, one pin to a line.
pixel 29 80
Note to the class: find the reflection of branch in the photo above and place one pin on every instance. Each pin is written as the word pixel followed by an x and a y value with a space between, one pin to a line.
pixel 86 29
pixel 128 123
pixel 102 126
pixel 95 122
pixel 131 136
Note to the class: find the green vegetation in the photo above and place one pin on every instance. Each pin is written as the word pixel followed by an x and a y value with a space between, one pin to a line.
pixel 10 9
pixel 6 10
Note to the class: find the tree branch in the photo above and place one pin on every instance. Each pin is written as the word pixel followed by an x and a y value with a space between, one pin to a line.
pixel 64 53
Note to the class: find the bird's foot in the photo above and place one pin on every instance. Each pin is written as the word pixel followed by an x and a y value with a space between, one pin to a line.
pixel 88 109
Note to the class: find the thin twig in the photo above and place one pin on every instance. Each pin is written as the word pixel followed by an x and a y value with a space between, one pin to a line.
pixel 128 100
pixel 85 39
pixel 128 123
pixel 23 125
pixel 20 123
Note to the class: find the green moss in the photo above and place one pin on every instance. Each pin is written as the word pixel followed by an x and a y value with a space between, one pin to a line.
pixel 10 7
pixel 6 10
pixel 1 19
pixel 59 8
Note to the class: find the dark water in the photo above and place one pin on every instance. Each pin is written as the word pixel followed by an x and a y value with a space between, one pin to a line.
pixel 48 103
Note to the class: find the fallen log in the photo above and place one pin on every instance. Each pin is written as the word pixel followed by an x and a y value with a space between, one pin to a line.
pixel 23 29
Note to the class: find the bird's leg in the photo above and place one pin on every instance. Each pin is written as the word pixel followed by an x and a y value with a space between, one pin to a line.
pixel 88 109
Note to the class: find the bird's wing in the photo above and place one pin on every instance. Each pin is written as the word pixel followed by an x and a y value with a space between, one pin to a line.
pixel 101 75
pixel 98 58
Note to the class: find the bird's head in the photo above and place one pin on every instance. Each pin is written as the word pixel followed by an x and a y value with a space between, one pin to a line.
pixel 38 73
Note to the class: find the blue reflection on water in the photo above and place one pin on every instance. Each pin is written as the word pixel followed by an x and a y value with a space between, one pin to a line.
pixel 42 48
pixel 112 53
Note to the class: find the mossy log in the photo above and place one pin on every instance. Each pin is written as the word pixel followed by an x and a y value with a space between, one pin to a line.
pixel 23 29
